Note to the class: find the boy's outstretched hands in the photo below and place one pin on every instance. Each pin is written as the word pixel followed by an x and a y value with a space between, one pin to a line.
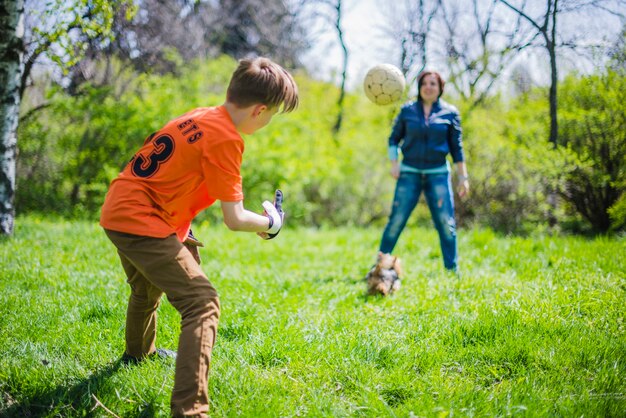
pixel 274 211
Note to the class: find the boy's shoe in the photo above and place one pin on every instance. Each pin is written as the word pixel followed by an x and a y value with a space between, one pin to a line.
pixel 160 353
pixel 164 353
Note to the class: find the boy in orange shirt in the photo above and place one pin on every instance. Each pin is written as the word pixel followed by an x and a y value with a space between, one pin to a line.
pixel 181 170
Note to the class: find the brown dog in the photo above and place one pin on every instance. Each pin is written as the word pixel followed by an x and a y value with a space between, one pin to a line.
pixel 384 277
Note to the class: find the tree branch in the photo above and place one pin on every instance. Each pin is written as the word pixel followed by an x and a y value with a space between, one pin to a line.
pixel 522 14
pixel 33 111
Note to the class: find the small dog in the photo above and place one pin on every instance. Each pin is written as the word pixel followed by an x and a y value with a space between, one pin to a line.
pixel 384 277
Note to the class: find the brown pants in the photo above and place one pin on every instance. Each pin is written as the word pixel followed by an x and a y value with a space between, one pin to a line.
pixel 164 265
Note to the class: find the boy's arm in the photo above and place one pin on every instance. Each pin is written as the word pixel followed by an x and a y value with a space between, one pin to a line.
pixel 238 218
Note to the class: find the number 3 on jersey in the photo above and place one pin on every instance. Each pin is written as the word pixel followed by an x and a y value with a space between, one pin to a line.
pixel 146 167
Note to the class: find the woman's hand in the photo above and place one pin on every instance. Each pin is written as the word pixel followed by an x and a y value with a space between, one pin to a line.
pixel 463 188
pixel 395 169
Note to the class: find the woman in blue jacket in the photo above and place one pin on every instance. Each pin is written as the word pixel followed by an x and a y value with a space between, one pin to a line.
pixel 426 131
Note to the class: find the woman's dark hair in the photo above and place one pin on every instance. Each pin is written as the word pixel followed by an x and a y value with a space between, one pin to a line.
pixel 420 81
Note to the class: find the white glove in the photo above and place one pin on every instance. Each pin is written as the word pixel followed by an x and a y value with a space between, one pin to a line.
pixel 274 211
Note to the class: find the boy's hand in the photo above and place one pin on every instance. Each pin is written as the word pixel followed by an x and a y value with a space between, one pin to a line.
pixel 274 211
pixel 191 240
pixel 192 245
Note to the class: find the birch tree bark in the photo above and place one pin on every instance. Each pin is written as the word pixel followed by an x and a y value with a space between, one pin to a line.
pixel 11 52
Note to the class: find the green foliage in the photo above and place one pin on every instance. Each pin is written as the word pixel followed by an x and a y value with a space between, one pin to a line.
pixel 535 327
pixel 77 145
pixel 617 212
pixel 514 171
pixel 332 180
pixel 89 138
pixel 71 25
pixel 340 181
pixel 593 129
pixel 508 156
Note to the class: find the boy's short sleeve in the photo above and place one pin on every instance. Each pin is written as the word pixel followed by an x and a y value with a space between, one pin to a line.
pixel 222 171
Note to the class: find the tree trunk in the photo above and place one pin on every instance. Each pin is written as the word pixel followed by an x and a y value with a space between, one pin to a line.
pixel 554 123
pixel 554 127
pixel 11 52
pixel 551 45
pixel 344 70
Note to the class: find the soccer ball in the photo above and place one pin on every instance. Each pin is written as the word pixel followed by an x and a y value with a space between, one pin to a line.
pixel 384 84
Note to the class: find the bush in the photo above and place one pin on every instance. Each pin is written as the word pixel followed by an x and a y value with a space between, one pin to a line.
pixel 506 151
pixel 617 212
pixel 593 129
pixel 327 180
pixel 74 147
pixel 71 150
pixel 334 180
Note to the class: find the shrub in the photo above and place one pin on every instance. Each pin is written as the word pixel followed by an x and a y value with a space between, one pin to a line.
pixel 593 128
pixel 70 151
pixel 505 149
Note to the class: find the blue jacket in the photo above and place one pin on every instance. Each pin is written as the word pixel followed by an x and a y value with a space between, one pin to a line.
pixel 426 146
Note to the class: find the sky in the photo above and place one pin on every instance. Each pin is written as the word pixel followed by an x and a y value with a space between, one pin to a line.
pixel 367 45
pixel 363 25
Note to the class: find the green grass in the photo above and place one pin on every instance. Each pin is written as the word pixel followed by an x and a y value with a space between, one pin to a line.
pixel 535 327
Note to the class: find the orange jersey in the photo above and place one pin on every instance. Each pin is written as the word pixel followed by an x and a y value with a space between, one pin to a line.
pixel 181 170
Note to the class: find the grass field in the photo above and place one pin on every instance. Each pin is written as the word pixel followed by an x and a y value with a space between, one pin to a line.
pixel 534 327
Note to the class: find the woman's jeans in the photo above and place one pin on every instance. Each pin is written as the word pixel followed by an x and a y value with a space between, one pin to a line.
pixel 438 192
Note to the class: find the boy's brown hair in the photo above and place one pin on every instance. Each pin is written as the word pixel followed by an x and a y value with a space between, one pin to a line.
pixel 262 81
